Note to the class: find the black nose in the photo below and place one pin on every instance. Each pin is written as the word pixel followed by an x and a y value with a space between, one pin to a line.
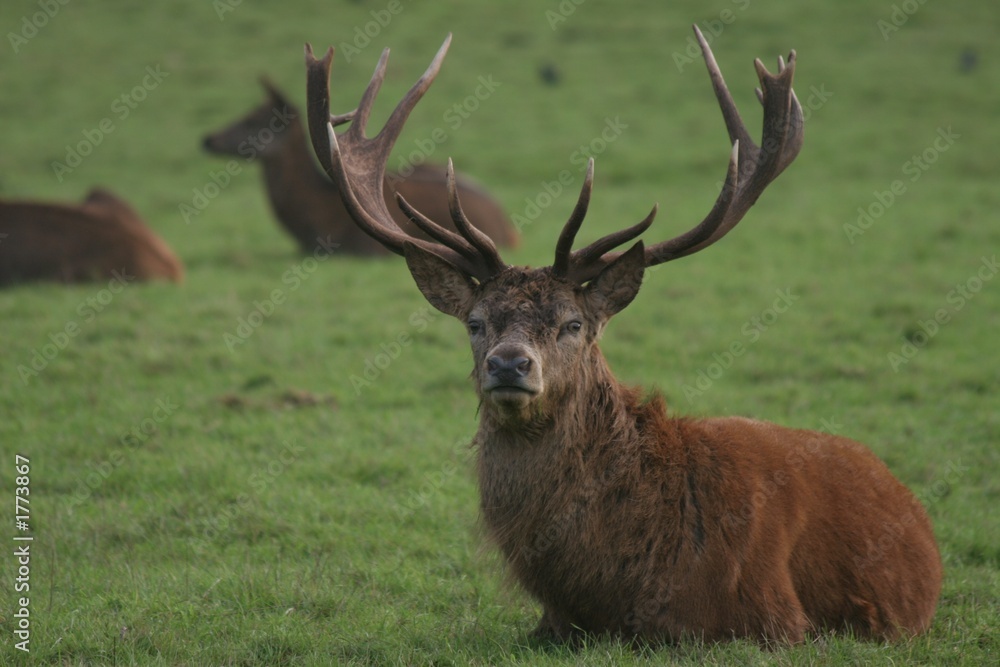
pixel 207 143
pixel 515 367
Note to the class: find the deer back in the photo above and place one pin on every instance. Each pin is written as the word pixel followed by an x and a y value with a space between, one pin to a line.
pixel 79 243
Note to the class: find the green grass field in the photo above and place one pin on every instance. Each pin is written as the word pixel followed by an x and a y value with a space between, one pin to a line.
pixel 199 501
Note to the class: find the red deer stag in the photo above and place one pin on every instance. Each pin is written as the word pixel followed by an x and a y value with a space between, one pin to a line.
pixel 309 206
pixel 71 243
pixel 615 517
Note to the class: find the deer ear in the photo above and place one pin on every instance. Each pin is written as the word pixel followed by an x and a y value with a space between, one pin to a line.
pixel 616 285
pixel 273 92
pixel 448 289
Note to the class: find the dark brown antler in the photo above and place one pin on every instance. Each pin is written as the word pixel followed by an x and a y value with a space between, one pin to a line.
pixel 751 170
pixel 357 165
pixel 567 264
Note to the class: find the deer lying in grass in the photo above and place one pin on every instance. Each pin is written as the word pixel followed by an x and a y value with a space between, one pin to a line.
pixel 615 517
pixel 79 243
pixel 309 206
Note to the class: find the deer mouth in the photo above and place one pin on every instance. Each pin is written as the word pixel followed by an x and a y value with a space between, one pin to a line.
pixel 511 393
pixel 511 389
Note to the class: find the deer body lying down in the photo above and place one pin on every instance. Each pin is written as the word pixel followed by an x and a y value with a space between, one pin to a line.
pixel 309 206
pixel 616 517
pixel 79 243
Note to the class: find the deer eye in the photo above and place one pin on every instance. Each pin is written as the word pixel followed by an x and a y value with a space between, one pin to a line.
pixel 475 326
pixel 572 327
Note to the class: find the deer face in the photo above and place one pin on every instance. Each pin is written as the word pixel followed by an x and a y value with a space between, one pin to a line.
pixel 260 132
pixel 532 333
pixel 526 330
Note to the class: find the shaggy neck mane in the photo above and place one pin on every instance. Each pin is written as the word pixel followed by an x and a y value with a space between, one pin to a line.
pixel 541 478
pixel 596 424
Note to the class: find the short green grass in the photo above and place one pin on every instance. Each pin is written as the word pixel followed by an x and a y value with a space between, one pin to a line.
pixel 194 504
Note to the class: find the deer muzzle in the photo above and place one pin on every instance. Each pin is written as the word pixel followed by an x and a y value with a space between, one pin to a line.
pixel 512 375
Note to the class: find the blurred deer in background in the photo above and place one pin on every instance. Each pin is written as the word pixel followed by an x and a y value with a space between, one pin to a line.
pixel 616 517
pixel 80 243
pixel 309 206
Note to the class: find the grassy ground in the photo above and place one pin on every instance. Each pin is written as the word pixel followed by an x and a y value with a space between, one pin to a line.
pixel 200 503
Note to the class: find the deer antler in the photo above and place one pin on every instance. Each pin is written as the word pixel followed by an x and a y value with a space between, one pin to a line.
pixel 357 165
pixel 751 170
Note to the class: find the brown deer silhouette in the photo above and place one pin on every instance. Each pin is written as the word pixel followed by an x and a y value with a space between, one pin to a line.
pixel 615 517
pixel 309 206
pixel 79 243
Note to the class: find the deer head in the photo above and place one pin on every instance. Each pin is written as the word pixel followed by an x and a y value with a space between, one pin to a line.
pixel 259 132
pixel 533 330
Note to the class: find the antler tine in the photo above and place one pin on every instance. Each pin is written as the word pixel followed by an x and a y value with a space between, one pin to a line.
pixel 357 129
pixel 394 125
pixel 564 246
pixel 751 167
pixel 342 118
pixel 436 231
pixel 481 242
pixel 471 244
pixel 357 164
pixel 583 264
pixel 585 260
pixel 730 114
